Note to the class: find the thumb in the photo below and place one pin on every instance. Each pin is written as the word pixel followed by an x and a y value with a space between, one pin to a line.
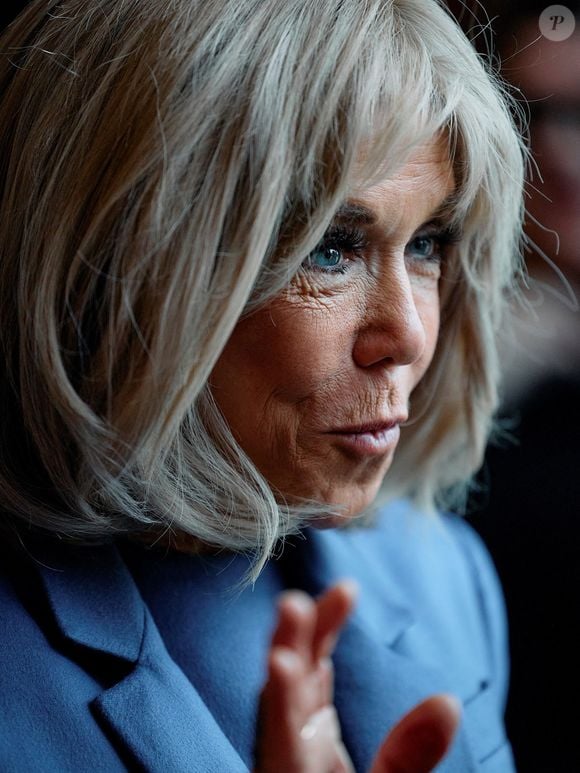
pixel 421 739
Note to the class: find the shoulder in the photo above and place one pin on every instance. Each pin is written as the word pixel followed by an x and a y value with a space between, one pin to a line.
pixel 443 551
pixel 489 599
pixel 79 650
pixel 426 547
pixel 65 644
pixel 437 568
pixel 440 546
pixel 45 694
pixel 434 560
pixel 458 566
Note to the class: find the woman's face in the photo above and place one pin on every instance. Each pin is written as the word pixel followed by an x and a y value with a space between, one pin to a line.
pixel 345 346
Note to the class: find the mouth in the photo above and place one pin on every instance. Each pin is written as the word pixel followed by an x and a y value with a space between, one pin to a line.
pixel 375 438
pixel 372 427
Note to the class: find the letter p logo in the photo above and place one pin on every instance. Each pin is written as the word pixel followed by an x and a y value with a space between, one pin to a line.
pixel 557 23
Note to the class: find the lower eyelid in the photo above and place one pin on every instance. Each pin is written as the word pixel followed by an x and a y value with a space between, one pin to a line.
pixel 437 251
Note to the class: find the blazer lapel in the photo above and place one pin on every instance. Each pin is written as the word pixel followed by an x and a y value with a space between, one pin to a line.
pixel 374 687
pixel 161 720
pixel 150 712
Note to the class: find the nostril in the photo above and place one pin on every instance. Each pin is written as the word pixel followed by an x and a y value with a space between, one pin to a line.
pixel 401 339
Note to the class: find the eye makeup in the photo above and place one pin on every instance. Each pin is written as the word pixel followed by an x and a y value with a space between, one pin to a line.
pixel 343 241
pixel 338 239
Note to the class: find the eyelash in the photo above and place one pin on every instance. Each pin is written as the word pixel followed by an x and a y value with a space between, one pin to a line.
pixel 342 239
pixel 354 241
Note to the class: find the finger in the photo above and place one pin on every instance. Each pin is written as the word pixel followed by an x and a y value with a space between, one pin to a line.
pixel 291 740
pixel 343 761
pixel 295 629
pixel 323 747
pixel 421 739
pixel 293 690
pixel 296 623
pixel 333 608
pixel 283 687
pixel 320 685
pixel 323 724
pixel 280 717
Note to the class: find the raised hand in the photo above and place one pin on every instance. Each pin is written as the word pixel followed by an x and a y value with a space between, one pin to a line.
pixel 299 730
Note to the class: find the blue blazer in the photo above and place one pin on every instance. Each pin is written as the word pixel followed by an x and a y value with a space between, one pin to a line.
pixel 121 658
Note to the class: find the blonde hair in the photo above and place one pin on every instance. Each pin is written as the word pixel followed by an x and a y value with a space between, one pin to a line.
pixel 166 167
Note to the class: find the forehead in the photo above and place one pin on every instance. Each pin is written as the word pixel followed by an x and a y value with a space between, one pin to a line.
pixel 423 188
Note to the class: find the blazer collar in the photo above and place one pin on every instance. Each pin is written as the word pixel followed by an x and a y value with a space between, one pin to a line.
pixel 318 559
pixel 96 604
pixel 93 599
pixel 152 714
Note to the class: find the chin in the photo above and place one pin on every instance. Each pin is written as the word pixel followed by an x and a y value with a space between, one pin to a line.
pixel 349 518
pixel 330 522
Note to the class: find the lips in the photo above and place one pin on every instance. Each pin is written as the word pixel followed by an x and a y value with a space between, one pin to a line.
pixel 365 441
pixel 379 425
pixel 374 436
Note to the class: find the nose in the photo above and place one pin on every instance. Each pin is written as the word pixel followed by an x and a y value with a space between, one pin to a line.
pixel 392 330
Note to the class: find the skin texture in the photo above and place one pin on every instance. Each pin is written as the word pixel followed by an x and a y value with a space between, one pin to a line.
pixel 340 350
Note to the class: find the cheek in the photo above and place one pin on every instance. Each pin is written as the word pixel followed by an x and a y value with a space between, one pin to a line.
pixel 274 360
pixel 432 320
pixel 429 312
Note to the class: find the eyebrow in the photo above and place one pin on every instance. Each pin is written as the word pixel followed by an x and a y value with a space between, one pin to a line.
pixel 358 214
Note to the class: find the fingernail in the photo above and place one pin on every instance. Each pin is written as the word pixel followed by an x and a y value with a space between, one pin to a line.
pixel 453 702
pixel 298 600
pixel 286 658
pixel 351 586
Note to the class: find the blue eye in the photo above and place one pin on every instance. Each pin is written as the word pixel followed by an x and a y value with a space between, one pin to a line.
pixel 432 246
pixel 426 247
pixel 329 256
